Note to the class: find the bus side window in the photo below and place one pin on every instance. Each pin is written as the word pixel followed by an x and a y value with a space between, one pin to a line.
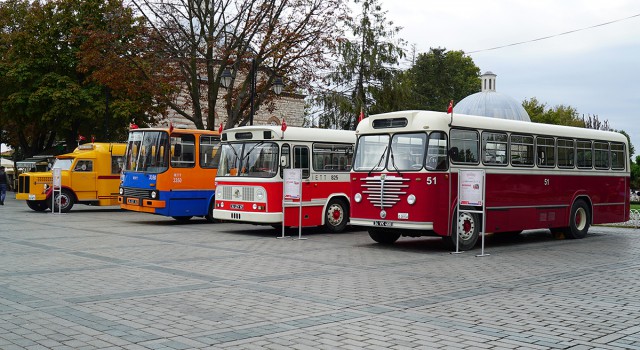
pixel 301 160
pixel 84 165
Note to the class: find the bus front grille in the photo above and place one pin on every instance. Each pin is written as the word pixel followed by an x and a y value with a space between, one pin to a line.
pixel 136 192
pixel 237 193
pixel 384 191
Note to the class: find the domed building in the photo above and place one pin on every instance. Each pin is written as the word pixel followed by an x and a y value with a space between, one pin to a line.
pixel 489 103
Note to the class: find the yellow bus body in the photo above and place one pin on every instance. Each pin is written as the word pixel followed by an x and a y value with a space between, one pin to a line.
pixel 92 177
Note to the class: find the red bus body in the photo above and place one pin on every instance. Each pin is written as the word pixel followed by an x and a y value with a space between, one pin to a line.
pixel 518 197
pixel 256 196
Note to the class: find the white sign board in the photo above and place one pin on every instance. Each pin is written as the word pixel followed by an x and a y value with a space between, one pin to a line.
pixel 57 177
pixel 471 187
pixel 292 182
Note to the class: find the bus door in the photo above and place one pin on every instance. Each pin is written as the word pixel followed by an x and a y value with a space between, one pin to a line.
pixel 301 160
pixel 83 179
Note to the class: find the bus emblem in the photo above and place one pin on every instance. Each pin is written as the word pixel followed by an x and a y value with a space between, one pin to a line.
pixel 383 214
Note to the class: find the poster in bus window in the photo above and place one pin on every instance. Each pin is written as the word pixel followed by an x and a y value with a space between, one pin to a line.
pixel 471 185
pixel 292 181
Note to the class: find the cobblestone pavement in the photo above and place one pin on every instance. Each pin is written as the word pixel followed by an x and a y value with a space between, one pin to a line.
pixel 101 278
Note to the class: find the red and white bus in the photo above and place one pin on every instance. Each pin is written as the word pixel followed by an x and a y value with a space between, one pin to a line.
pixel 404 180
pixel 249 183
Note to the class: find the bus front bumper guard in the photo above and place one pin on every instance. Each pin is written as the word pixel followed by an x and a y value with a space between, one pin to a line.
pixel 391 224
pixel 140 202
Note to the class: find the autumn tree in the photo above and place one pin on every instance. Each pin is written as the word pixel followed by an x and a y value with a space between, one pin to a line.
pixel 45 96
pixel 278 38
pixel 365 62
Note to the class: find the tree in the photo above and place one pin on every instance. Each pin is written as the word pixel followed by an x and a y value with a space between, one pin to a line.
pixel 200 39
pixel 45 97
pixel 440 76
pixel 363 68
pixel 558 115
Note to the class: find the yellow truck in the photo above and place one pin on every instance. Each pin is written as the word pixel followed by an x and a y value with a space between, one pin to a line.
pixel 89 175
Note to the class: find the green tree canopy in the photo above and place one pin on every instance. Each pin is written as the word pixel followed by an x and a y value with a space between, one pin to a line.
pixel 558 115
pixel 440 76
pixel 45 96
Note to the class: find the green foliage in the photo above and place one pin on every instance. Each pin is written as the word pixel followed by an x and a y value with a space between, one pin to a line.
pixel 558 115
pixel 440 76
pixel 364 70
pixel 45 96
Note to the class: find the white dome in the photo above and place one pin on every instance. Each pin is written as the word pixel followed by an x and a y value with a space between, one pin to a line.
pixel 489 103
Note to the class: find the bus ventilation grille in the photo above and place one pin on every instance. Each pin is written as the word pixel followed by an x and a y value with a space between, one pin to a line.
pixel 384 191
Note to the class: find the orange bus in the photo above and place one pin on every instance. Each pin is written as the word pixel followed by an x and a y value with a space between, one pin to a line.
pixel 170 172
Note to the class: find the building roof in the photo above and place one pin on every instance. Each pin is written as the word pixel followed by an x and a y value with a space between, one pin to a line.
pixel 489 103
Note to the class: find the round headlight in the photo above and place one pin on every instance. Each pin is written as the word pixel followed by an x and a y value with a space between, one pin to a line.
pixel 121 191
pixel 219 192
pixel 46 187
pixel 260 194
pixel 255 206
pixel 154 194
pixel 357 197
pixel 411 199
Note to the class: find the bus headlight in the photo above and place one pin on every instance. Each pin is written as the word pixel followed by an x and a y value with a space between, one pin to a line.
pixel 260 194
pixel 219 192
pixel 46 187
pixel 357 197
pixel 255 206
pixel 121 191
pixel 411 199
pixel 154 194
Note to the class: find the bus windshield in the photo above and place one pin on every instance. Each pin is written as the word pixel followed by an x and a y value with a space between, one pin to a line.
pixel 63 164
pixel 251 159
pixel 370 153
pixel 147 151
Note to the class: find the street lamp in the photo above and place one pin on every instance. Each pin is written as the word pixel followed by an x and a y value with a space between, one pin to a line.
pixel 227 76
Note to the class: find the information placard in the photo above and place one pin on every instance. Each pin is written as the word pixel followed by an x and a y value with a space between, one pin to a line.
pixel 57 177
pixel 292 181
pixel 471 187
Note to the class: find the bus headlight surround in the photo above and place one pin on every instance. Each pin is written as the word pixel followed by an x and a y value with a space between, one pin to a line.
pixel 357 198
pixel 411 199
pixel 154 194
pixel 260 194
pixel 121 191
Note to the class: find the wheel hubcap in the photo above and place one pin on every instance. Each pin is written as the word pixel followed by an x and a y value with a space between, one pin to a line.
pixel 580 219
pixel 466 226
pixel 334 215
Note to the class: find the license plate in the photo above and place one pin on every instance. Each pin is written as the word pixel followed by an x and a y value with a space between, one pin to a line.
pixel 32 197
pixel 383 223
pixel 403 216
pixel 133 201
pixel 237 206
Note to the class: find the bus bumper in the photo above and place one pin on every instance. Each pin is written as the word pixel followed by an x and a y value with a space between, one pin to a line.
pixel 140 204
pixel 249 217
pixel 31 196
pixel 426 226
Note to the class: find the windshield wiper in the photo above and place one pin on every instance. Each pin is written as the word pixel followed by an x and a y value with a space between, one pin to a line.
pixel 379 161
pixel 393 162
pixel 246 155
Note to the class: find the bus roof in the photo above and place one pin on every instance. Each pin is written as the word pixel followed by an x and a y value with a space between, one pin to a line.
pixel 89 150
pixel 178 130
pixel 432 121
pixel 292 133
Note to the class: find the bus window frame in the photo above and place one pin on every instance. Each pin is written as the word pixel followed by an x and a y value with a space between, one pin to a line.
pixel 622 159
pixel 506 150
pixel 451 146
pixel 577 152
pixel 553 147
pixel 573 150
pixel 595 155
pixel 411 168
pixel 444 162
pixel 533 150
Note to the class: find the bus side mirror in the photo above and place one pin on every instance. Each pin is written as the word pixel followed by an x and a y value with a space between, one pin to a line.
pixel 453 153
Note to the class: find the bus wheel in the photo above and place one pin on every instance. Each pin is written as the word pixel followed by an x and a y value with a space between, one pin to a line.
pixel 182 218
pixel 209 216
pixel 579 221
pixel 38 205
pixel 383 237
pixel 336 216
pixel 468 227
pixel 66 201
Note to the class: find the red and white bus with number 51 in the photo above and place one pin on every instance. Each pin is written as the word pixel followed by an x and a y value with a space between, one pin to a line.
pixel 249 182
pixel 404 180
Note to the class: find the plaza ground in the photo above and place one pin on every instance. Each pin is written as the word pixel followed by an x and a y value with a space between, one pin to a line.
pixel 101 278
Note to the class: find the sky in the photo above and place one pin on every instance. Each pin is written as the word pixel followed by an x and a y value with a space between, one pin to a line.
pixel 596 71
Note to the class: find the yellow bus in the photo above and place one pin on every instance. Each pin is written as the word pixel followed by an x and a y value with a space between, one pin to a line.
pixel 89 175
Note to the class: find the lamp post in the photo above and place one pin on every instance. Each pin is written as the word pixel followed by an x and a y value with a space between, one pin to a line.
pixel 227 76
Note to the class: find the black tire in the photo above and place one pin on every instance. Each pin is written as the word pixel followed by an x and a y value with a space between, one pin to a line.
pixel 67 200
pixel 382 237
pixel 336 216
pixel 209 215
pixel 469 224
pixel 182 218
pixel 38 205
pixel 579 220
